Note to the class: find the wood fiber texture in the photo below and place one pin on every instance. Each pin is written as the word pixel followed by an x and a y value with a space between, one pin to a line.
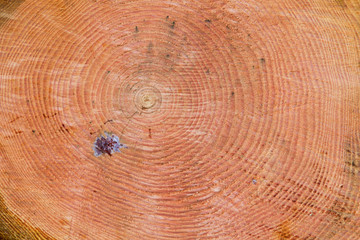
pixel 241 119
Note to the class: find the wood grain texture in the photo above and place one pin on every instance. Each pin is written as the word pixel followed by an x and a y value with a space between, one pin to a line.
pixel 241 118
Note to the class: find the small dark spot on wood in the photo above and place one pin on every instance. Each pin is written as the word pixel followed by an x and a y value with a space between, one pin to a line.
pixel 167 55
pixel 110 120
pixel 14 119
pixel 108 72
pixel 353 163
pixel 64 128
pixel 136 29
pixel 150 136
pixel 33 131
pixel 232 93
pixel 262 60
pixel 49 116
pixel 208 20
pixel 172 25
pixel 249 35
pixel 207 71
pixel 167 17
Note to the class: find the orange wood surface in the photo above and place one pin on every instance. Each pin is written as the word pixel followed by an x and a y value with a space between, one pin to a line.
pixel 241 119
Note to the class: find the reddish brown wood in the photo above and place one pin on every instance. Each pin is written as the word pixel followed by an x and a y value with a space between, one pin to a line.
pixel 241 118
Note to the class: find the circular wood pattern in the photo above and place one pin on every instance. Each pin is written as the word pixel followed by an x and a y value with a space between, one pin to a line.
pixel 241 118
